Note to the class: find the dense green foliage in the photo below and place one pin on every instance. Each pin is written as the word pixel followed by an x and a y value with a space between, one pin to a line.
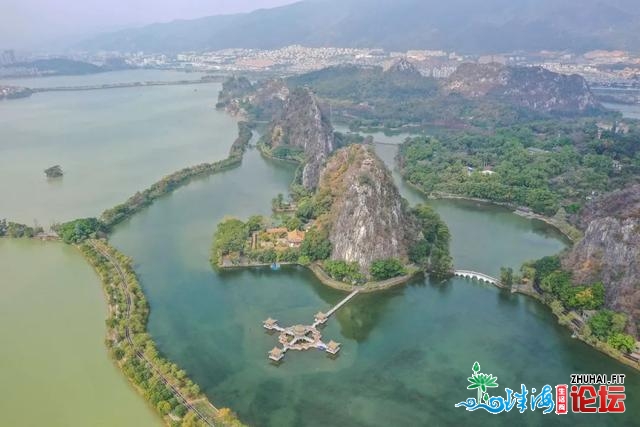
pixel 370 85
pixel 622 342
pixel 348 272
pixel 545 266
pixel 232 239
pixel 506 276
pixel 138 358
pixel 166 185
pixel 558 283
pixel 316 245
pixel 288 152
pixel 387 268
pixel 79 230
pixel 541 165
pixel 603 325
pixel 13 229
pixel 231 236
pixel 431 251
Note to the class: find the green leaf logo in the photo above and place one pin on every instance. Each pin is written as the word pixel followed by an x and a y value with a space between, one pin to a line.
pixel 481 382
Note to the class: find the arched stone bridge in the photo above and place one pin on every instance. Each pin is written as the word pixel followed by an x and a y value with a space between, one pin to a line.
pixel 477 276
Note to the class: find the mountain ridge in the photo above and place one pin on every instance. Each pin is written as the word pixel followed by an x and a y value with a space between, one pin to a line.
pixel 463 25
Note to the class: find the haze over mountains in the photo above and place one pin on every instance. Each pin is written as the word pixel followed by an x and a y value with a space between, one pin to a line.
pixel 468 26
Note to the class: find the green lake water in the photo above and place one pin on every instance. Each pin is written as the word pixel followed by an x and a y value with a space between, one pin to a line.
pixel 53 363
pixel 406 352
pixel 109 143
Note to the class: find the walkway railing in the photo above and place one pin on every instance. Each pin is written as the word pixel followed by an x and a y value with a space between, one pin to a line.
pixel 478 276
pixel 343 302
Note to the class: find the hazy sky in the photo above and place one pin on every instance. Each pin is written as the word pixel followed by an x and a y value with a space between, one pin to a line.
pixel 35 23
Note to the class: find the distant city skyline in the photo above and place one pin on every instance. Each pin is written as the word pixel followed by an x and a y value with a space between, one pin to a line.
pixel 42 24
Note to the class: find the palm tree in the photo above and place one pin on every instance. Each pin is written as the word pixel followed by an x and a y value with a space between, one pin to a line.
pixel 481 382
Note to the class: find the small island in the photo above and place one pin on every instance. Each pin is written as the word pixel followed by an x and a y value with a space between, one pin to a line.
pixel 353 230
pixel 54 172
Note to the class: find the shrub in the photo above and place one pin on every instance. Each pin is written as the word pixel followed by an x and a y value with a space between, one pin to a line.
pixel 386 268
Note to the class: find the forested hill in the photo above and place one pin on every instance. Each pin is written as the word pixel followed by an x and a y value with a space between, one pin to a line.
pixel 469 26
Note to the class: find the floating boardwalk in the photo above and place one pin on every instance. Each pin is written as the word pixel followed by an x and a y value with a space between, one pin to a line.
pixel 305 337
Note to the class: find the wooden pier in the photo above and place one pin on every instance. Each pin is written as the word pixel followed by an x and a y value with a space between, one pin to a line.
pixel 305 337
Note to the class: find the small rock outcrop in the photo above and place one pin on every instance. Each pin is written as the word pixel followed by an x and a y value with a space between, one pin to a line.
pixel 54 172
pixel 368 219
pixel 610 251
pixel 403 67
pixel 534 88
pixel 302 124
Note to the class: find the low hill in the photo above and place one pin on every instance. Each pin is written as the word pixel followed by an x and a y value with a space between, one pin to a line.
pixel 534 88
pixel 368 218
pixel 302 128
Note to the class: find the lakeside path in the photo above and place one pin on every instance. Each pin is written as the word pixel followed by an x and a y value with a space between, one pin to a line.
pixel 122 284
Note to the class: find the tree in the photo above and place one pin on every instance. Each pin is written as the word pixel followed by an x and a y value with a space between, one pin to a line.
pixel 254 223
pixel 293 223
pixel 316 245
pixel 605 323
pixel 348 272
pixel 506 276
pixel 386 268
pixel 545 266
pixel 180 410
pixel 79 230
pixel 230 236
pixel 164 407
pixel 622 342
pixel 277 202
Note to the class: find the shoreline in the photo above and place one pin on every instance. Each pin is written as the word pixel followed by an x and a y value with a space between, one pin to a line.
pixel 136 344
pixel 325 279
pixel 597 345
pixel 601 346
pixel 567 230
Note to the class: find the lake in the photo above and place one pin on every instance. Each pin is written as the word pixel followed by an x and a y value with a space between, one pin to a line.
pixel 109 143
pixel 406 352
pixel 54 366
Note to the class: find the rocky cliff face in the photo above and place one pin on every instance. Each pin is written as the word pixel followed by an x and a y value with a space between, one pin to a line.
pixel 264 100
pixel 233 88
pixel 368 220
pixel 531 87
pixel 303 124
pixel 610 251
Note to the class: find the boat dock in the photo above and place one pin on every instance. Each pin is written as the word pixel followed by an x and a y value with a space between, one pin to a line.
pixel 305 337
